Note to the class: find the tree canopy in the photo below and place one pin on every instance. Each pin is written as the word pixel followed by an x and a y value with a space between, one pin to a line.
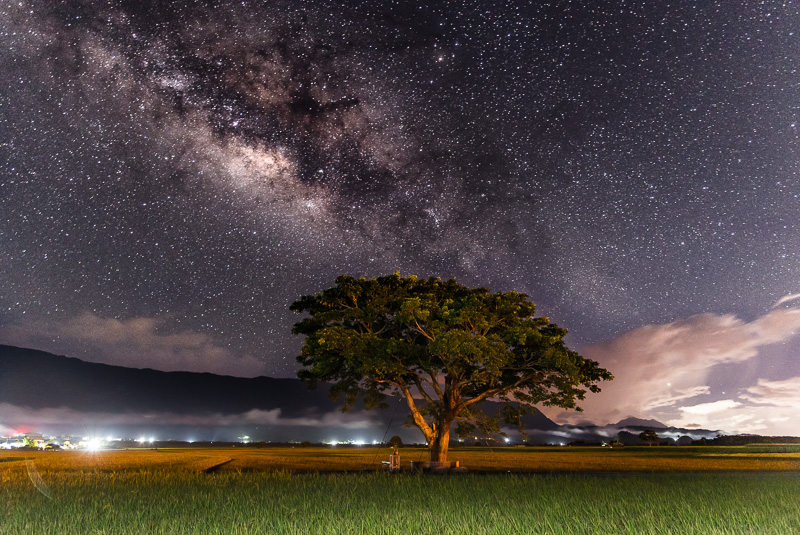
pixel 443 347
pixel 649 436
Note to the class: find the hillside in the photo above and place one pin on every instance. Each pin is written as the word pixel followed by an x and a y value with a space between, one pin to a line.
pixel 265 407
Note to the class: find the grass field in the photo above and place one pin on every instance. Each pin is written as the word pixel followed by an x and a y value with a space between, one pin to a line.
pixel 337 490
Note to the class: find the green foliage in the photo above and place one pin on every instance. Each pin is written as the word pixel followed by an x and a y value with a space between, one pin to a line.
pixel 440 345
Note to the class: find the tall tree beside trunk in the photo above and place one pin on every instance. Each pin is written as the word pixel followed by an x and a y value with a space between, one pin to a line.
pixel 441 346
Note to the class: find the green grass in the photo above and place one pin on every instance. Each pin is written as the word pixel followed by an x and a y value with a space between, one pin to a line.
pixel 167 502
pixel 725 490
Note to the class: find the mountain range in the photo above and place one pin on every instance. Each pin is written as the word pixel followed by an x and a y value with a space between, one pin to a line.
pixel 55 394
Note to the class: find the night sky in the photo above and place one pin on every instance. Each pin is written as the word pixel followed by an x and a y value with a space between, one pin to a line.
pixel 174 174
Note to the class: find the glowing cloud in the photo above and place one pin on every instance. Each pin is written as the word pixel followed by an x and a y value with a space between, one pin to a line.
pixel 659 369
pixel 785 393
pixel 786 299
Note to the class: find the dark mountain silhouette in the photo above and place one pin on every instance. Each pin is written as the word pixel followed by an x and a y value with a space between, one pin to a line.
pixel 39 380
pixel 630 421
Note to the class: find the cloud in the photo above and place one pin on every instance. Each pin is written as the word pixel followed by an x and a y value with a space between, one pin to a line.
pixel 135 342
pixel 769 408
pixel 330 419
pixel 786 298
pixel 785 393
pixel 64 419
pixel 658 369
pixel 704 409
pixel 672 398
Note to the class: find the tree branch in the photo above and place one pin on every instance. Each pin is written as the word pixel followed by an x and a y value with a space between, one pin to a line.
pixel 422 331
pixel 493 392
pixel 435 384
pixel 417 415
pixel 425 395
pixel 418 375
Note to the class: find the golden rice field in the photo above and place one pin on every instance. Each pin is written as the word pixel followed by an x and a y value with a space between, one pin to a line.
pixel 355 459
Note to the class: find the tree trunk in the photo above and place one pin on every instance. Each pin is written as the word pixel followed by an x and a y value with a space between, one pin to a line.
pixel 441 442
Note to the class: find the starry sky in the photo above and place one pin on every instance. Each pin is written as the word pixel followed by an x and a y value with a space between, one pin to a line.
pixel 173 174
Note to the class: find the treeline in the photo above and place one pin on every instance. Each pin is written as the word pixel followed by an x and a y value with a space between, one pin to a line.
pixel 744 440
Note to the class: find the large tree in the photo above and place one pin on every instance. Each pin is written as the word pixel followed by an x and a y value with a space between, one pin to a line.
pixel 649 436
pixel 443 347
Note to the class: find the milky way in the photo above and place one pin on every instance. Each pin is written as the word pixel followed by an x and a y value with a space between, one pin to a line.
pixel 180 172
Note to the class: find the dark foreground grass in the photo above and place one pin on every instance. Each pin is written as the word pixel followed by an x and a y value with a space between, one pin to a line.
pixel 170 502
